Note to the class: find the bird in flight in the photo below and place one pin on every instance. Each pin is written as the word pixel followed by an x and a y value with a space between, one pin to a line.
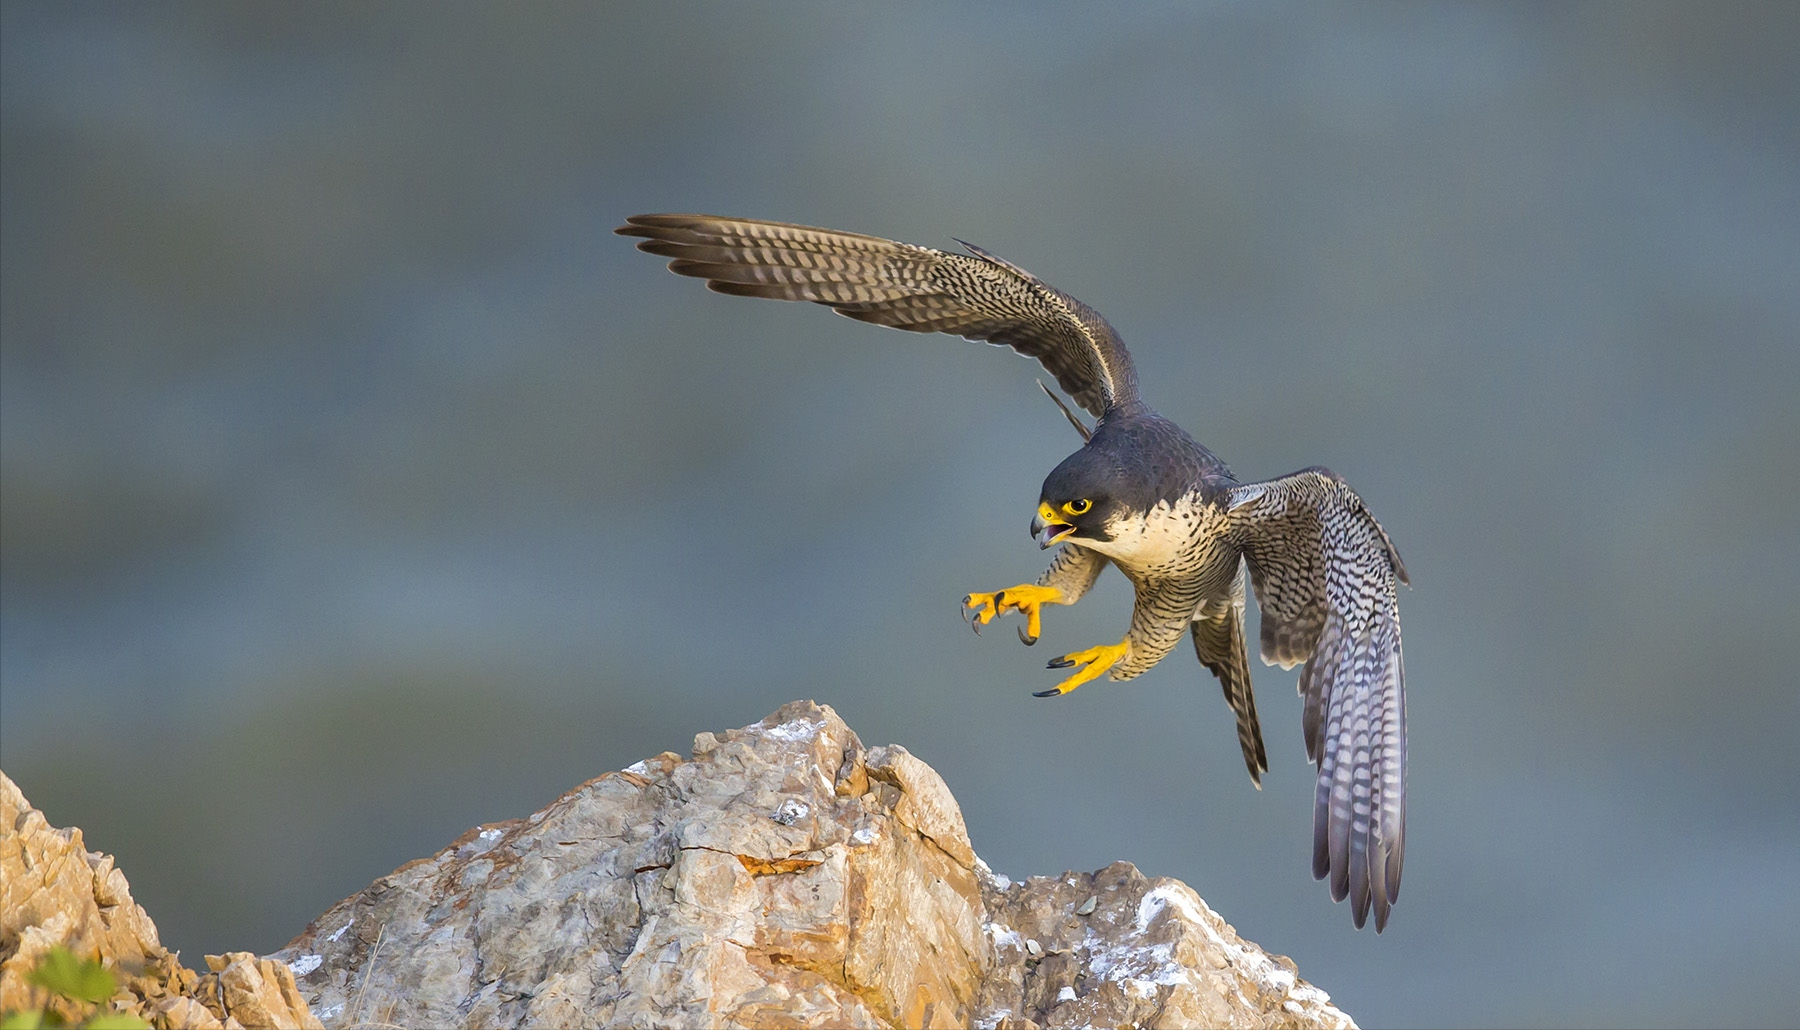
pixel 1142 495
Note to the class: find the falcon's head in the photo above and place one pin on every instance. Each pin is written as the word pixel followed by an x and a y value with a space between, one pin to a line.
pixel 1082 500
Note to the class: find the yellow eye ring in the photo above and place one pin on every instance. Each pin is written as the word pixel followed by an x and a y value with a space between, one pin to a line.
pixel 1078 507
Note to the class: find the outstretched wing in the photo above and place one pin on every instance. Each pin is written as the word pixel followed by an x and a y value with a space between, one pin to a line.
pixel 918 289
pixel 1325 574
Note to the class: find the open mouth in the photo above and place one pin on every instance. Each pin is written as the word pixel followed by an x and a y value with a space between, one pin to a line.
pixel 1048 528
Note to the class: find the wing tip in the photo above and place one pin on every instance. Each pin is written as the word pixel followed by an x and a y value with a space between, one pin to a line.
pixel 645 225
pixel 667 220
pixel 1394 557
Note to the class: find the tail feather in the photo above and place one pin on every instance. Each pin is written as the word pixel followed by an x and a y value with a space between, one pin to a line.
pixel 1218 633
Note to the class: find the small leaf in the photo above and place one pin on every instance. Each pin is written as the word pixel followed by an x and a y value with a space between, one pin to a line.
pixel 24 1019
pixel 60 972
pixel 116 1021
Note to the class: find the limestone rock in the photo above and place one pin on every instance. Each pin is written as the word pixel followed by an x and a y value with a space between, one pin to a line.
pixel 1117 948
pixel 254 993
pixel 53 891
pixel 784 876
pixel 757 884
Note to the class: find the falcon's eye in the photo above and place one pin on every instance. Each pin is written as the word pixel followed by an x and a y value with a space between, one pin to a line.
pixel 1079 507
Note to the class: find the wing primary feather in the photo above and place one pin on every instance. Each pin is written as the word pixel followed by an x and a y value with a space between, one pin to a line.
pixel 1321 867
pixel 1341 754
pixel 1361 805
pixel 1315 688
pixel 1080 426
pixel 1377 858
pixel 1393 770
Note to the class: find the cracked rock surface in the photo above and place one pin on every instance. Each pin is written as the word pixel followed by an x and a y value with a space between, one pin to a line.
pixel 784 876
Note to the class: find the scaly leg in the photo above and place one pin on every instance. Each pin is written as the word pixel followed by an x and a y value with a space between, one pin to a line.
pixel 981 609
pixel 1097 659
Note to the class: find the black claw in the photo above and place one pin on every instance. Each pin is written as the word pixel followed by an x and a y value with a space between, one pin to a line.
pixel 1023 639
pixel 975 624
pixel 1060 663
pixel 1052 692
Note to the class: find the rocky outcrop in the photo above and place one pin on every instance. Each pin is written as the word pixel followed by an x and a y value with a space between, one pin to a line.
pixel 1117 948
pixel 54 892
pixel 782 876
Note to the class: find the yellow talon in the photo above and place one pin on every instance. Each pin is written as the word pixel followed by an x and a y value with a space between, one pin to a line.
pixel 1026 597
pixel 1029 599
pixel 1097 659
pixel 980 609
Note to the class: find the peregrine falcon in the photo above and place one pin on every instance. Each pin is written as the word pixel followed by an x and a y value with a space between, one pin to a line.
pixel 1142 495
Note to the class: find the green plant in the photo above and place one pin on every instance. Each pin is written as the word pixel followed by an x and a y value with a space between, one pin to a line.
pixel 82 981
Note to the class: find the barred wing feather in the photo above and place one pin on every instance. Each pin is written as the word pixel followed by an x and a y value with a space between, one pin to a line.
pixel 977 295
pixel 1326 575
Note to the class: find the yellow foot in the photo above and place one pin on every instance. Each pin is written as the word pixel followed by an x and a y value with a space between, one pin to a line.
pixel 982 609
pixel 1097 659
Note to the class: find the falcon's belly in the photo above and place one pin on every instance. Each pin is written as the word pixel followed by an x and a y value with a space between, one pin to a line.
pixel 1178 558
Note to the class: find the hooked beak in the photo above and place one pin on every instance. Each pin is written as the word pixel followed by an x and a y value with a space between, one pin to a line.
pixel 1048 527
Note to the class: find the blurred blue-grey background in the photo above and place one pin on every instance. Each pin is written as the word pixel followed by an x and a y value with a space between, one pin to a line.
pixel 359 486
